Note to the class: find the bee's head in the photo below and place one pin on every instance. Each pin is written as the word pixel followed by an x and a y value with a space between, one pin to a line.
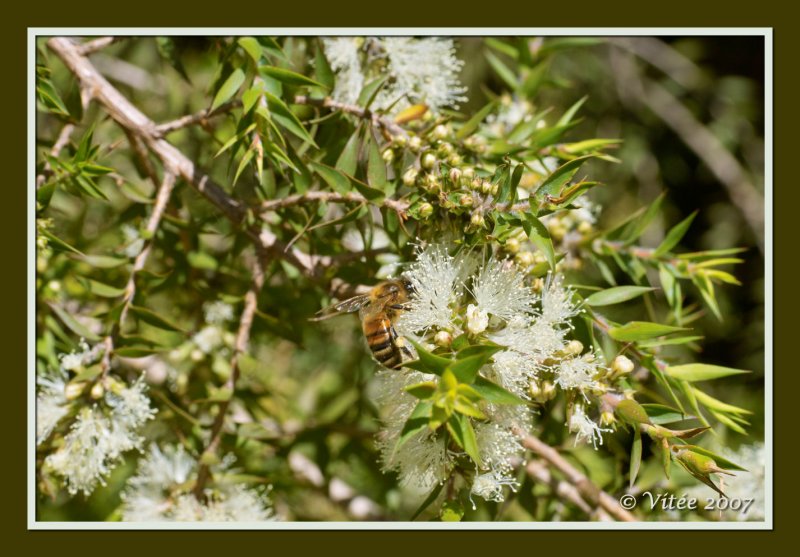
pixel 408 285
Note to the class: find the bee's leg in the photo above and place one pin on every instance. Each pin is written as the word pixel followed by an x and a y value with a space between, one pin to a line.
pixel 402 307
pixel 400 343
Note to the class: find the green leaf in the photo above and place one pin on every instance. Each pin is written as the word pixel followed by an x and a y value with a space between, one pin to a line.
pixel 104 290
pixel 560 177
pixel 460 427
pixel 616 295
pixel 322 69
pixel 570 113
pixel 370 91
pixel 631 412
pixel 428 501
pixel 228 89
pixel 73 324
pixel 348 159
pixel 151 317
pixel 712 403
pixel 721 461
pixel 636 456
pixel 429 362
pixel 202 260
pixel 538 234
pixel 252 47
pixel 702 372
pixel 641 330
pixel 494 393
pixel 674 236
pixel 335 179
pixel 376 166
pixel 452 511
pixel 136 351
pixel 417 421
pixel 289 77
pixel 670 341
pixel 58 243
pixel 287 119
pixel 662 414
pixel 505 73
pixel 466 368
pixel 422 390
pixel 472 124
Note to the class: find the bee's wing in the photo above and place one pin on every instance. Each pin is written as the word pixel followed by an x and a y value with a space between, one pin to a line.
pixel 348 306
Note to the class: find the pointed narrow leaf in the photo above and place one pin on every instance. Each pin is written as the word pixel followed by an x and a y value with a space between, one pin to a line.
pixel 289 77
pixel 73 324
pixel 641 330
pixel 616 295
pixel 674 236
pixel 430 362
pixel 151 317
pixel 228 88
pixel 494 393
pixel 538 234
pixel 287 119
pixel 348 159
pixel 376 166
pixel 702 372
pixel 472 124
pixel 335 179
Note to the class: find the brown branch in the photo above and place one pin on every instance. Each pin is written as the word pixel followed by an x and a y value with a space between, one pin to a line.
pixel 386 123
pixel 662 56
pixel 60 143
pixel 196 118
pixel 240 346
pixel 132 119
pixel 399 207
pixel 95 45
pixel 587 489
pixel 538 470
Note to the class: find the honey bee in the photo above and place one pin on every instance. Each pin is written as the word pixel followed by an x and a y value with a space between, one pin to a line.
pixel 378 311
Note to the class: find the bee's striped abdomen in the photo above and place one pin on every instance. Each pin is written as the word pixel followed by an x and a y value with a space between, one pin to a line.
pixel 378 333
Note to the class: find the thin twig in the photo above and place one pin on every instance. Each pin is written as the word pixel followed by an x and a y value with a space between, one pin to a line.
pixel 132 119
pixel 587 489
pixel 538 470
pixel 196 118
pixel 240 347
pixel 399 207
pixel 60 143
pixel 90 47
pixel 386 123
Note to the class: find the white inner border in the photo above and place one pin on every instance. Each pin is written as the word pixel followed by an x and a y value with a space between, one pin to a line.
pixel 34 524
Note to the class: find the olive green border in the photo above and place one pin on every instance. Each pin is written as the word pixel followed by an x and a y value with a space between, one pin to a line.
pixel 568 13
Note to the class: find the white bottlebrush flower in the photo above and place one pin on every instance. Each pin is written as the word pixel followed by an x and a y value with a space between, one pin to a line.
pixel 489 486
pixel 499 448
pixel 584 428
pixel 51 404
pixel 208 339
pixel 344 57
pixel 79 358
pixel 99 436
pixel 422 461
pixel 557 304
pixel 438 281
pixel 746 485
pixel 154 494
pixel 423 70
pixel 579 373
pixel 499 290
pixel 218 312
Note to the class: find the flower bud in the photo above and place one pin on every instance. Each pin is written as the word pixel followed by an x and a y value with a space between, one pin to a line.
pixel 388 156
pixel 468 173
pixel 537 285
pixel 428 161
pixel 477 219
pixel 607 418
pixel 622 365
pixel 548 390
pixel 414 143
pixel 495 189
pixel 574 347
pixel 524 258
pixel 410 176
pixel 54 285
pixel 443 339
pixel 197 355
pixel 425 210
pixel 512 245
pixel 465 200
pixel 454 159
pixel 97 391
pixel 445 149
pixel 486 187
pixel 74 390
pixel 400 140
pixel 431 182
pixel 535 390
pixel 439 132
pixel 585 227
pixel 455 175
